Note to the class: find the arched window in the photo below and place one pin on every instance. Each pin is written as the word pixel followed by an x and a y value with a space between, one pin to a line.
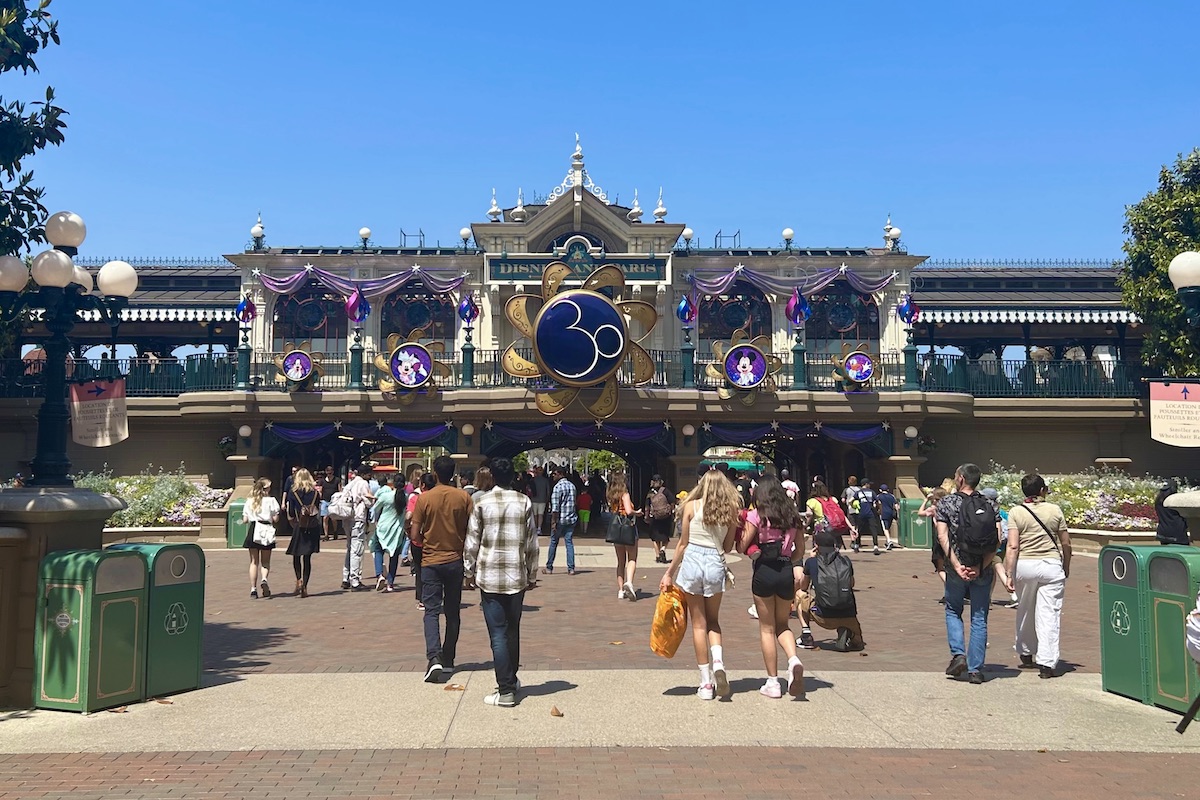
pixel 841 315
pixel 313 314
pixel 742 307
pixel 417 308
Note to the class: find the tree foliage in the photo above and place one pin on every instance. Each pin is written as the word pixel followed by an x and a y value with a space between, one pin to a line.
pixel 25 128
pixel 1161 225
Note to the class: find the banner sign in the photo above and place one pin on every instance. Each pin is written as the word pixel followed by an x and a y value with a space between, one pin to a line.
pixel 98 415
pixel 1175 413
pixel 581 262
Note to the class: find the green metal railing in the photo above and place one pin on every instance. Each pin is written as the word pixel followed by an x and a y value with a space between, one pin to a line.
pixel 152 377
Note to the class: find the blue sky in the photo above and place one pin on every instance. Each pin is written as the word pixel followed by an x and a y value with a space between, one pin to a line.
pixel 988 131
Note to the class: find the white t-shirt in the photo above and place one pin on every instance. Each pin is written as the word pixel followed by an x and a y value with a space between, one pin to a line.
pixel 791 487
pixel 268 507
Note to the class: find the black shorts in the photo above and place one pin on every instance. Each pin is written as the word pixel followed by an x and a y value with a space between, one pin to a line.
pixel 773 579
pixel 660 529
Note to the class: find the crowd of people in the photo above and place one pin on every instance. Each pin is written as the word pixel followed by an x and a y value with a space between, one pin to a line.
pixel 479 530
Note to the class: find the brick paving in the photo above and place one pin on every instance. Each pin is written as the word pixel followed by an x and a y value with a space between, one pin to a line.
pixel 572 622
pixel 669 773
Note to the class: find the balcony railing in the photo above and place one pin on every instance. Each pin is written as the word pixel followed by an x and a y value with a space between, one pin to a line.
pixel 149 377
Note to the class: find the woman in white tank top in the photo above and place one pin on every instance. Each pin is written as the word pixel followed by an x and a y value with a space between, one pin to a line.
pixel 710 516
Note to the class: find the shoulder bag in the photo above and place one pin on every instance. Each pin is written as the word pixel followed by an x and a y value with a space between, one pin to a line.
pixel 622 529
pixel 1053 538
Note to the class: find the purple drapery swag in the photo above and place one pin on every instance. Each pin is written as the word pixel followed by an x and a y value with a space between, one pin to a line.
pixel 406 435
pixel 742 433
pixel 718 282
pixel 376 287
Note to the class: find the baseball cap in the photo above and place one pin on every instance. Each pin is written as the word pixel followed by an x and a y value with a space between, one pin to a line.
pixel 990 493
pixel 656 477
pixel 883 487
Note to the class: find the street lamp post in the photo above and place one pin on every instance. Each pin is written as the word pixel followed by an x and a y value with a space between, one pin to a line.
pixel 63 291
pixel 1184 272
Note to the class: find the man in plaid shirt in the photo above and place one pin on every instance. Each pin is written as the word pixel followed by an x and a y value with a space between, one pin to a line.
pixel 501 559
pixel 563 518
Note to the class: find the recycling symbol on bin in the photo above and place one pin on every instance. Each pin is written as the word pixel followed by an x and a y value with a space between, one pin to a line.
pixel 1119 618
pixel 177 619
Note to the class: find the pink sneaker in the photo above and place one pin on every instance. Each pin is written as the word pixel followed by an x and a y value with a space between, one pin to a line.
pixel 771 690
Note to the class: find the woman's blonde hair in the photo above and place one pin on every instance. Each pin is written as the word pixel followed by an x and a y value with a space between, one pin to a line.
pixel 261 487
pixel 483 480
pixel 720 496
pixel 303 482
pixel 617 488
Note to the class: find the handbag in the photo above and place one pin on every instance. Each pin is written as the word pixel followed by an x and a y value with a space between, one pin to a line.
pixel 622 529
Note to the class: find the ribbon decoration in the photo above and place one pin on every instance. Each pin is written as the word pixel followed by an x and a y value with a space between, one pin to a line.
pixel 357 307
pixel 376 287
pixel 798 309
pixel 246 311
pixel 715 282
pixel 468 309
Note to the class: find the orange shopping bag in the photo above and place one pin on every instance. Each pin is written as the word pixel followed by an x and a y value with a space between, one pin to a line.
pixel 670 623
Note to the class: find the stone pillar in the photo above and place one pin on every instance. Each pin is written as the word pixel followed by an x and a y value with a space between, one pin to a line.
pixel 906 481
pixel 34 522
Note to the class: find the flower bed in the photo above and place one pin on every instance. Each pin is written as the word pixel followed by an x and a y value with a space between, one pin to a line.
pixel 1102 499
pixel 156 498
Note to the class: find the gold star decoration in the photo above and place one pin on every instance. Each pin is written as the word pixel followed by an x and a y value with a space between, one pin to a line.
pixel 574 356
pixel 746 369
pixel 409 368
pixel 299 367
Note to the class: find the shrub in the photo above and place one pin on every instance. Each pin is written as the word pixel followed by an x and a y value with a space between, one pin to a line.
pixel 155 497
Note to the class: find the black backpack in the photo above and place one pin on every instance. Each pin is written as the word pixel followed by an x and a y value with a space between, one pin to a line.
pixel 833 594
pixel 977 535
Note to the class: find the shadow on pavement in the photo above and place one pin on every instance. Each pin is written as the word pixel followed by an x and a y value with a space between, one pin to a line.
pixel 548 688
pixel 231 650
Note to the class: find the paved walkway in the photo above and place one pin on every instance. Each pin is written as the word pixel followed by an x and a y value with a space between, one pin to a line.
pixel 323 697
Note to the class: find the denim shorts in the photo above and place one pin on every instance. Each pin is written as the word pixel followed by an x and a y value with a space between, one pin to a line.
pixel 324 508
pixel 702 571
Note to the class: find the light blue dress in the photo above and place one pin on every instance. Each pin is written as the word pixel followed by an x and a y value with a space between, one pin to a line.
pixel 390 526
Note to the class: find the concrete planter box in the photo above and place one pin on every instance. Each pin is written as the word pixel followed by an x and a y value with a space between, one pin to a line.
pixel 152 534
pixel 1090 541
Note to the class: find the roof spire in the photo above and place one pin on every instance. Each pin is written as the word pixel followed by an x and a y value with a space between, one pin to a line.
pixel 494 212
pixel 635 213
pixel 660 212
pixel 519 213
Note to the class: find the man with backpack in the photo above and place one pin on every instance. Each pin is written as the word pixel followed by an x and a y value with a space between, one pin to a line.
pixel 660 516
pixel 826 596
pixel 968 530
pixel 868 515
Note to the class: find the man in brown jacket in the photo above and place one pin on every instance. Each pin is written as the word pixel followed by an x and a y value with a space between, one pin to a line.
pixel 439 527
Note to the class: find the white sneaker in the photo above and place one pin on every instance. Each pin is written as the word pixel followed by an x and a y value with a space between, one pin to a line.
pixel 706 692
pixel 721 679
pixel 771 690
pixel 629 592
pixel 752 611
pixel 621 594
pixel 796 678
pixel 497 699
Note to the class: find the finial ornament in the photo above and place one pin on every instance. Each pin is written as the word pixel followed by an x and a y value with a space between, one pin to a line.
pixel 519 213
pixel 660 212
pixel 494 212
pixel 635 213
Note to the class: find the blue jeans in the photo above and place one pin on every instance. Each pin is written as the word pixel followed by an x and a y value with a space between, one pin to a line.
pixel 441 591
pixel 502 613
pixel 564 530
pixel 980 592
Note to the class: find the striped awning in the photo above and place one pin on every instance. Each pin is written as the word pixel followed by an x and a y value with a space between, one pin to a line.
pixel 1051 315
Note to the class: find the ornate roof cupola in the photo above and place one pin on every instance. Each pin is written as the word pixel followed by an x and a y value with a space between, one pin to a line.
pixel 494 212
pixel 519 214
pixel 635 213
pixel 891 235
pixel 578 180
pixel 660 211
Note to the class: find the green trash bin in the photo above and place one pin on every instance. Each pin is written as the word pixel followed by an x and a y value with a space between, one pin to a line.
pixel 175 621
pixel 920 534
pixel 235 529
pixel 1174 578
pixel 91 630
pixel 1124 644
pixel 904 520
